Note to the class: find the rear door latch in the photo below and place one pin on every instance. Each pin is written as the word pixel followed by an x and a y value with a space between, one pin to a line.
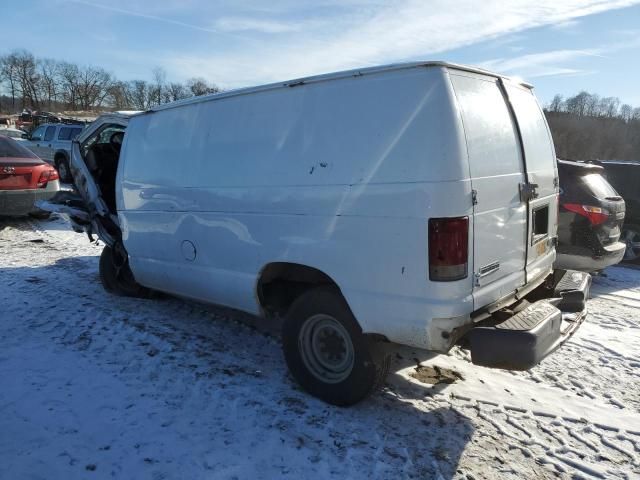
pixel 528 191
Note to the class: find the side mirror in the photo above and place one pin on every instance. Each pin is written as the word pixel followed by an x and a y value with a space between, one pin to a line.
pixel 25 136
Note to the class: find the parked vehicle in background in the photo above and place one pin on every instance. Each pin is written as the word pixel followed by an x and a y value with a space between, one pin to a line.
pixel 590 219
pixel 52 143
pixel 24 121
pixel 29 121
pixel 625 178
pixel 24 179
pixel 383 205
pixel 13 133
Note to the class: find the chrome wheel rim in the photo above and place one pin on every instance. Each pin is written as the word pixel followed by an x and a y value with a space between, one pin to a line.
pixel 326 348
pixel 632 239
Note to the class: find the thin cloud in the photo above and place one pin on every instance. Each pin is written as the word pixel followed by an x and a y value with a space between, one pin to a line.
pixel 287 39
pixel 146 16
pixel 394 31
pixel 536 61
pixel 554 62
pixel 568 25
pixel 267 26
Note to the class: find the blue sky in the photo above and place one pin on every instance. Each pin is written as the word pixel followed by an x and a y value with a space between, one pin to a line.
pixel 561 46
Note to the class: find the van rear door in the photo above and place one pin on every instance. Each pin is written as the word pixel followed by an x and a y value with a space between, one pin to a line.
pixel 497 172
pixel 541 189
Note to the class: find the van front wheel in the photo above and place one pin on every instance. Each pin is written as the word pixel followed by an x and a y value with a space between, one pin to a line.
pixel 116 276
pixel 327 352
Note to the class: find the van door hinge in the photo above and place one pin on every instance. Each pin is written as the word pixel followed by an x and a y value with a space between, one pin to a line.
pixel 528 191
pixel 474 197
pixel 556 182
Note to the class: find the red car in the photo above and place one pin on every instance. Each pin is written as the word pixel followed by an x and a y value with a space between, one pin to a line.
pixel 24 179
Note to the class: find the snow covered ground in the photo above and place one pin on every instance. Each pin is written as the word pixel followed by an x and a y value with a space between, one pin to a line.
pixel 97 386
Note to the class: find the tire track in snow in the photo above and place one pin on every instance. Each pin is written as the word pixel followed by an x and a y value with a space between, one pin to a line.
pixel 515 424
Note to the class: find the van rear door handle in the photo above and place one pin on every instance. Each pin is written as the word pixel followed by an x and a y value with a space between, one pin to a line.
pixel 528 191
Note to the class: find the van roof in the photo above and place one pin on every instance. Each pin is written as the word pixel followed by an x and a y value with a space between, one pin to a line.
pixel 358 72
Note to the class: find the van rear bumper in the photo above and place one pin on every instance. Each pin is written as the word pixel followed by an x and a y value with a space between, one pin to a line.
pixel 526 338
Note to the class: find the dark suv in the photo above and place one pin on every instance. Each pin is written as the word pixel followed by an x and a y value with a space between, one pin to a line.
pixel 590 219
pixel 625 178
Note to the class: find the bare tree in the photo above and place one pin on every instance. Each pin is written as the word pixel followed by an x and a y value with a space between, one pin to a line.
pixel 159 82
pixel 9 74
pixel 175 91
pixel 626 112
pixel 5 77
pixel 45 83
pixel 199 86
pixel 93 87
pixel 70 83
pixel 557 104
pixel 592 105
pixel 28 78
pixel 578 105
pixel 118 95
pixel 595 128
pixel 609 107
pixel 49 81
pixel 140 94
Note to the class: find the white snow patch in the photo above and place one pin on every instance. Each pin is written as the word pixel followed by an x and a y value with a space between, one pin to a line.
pixel 97 386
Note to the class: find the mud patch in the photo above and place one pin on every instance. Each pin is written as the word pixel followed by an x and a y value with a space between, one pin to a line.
pixel 434 375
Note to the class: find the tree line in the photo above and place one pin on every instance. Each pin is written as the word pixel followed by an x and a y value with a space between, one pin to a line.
pixel 28 82
pixel 589 127
pixel 584 126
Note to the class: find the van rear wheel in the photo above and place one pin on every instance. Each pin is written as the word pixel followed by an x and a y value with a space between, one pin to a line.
pixel 326 351
pixel 116 276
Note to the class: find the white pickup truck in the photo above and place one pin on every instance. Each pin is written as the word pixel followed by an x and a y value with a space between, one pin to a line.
pixel 52 143
pixel 412 204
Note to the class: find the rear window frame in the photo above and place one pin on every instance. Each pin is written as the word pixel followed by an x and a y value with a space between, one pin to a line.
pixel 598 186
pixel 15 148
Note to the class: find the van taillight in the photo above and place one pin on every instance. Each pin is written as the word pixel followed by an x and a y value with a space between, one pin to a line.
pixel 448 248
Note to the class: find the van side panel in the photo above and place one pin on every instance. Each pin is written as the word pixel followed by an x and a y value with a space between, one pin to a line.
pixel 341 175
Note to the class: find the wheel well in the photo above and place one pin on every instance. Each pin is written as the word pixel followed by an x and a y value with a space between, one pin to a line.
pixel 59 156
pixel 281 283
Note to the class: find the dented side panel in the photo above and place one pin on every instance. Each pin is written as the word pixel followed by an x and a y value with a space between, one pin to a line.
pixel 341 176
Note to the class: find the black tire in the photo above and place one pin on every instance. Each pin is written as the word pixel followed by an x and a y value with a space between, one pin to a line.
pixel 62 165
pixel 631 234
pixel 370 362
pixel 116 276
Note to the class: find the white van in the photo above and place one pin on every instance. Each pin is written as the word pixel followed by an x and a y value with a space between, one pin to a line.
pixel 412 204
